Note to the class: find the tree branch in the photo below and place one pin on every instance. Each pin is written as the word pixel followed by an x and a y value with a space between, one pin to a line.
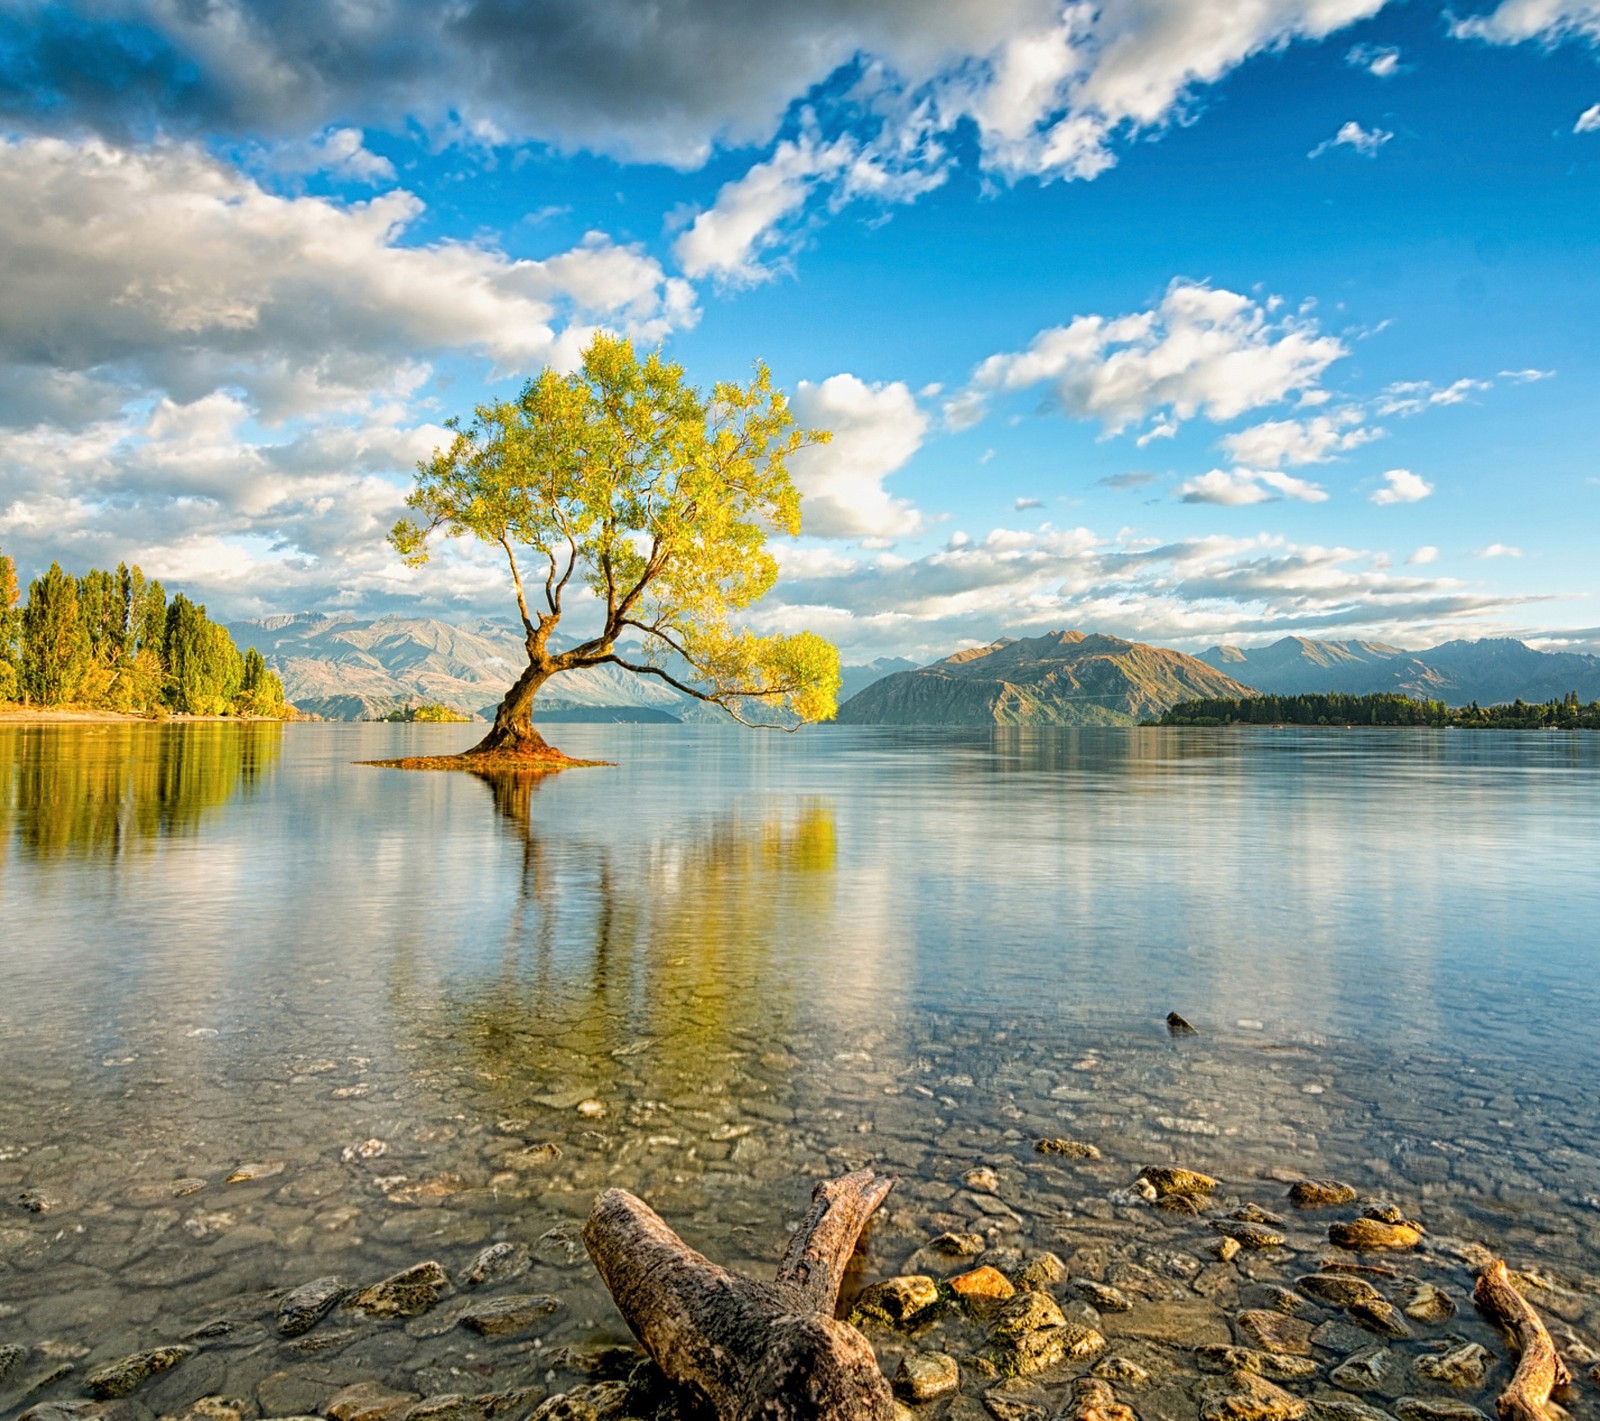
pixel 516 578
pixel 719 698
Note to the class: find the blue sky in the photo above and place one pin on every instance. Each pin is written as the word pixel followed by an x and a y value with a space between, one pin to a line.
pixel 1186 320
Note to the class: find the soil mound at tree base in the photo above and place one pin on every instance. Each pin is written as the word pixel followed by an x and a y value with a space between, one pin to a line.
pixel 537 762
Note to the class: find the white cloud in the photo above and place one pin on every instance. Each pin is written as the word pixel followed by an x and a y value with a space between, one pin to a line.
pixel 165 270
pixel 1023 504
pixel 1194 592
pixel 1202 350
pixel 1365 141
pixel 1424 555
pixel 1588 120
pixel 1409 397
pixel 1513 21
pixel 876 429
pixel 1500 550
pixel 1292 442
pixel 1402 486
pixel 724 240
pixel 340 152
pixel 1526 377
pixel 1381 61
pixel 1237 487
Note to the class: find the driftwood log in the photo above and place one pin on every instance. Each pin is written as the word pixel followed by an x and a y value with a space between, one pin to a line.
pixel 1540 1369
pixel 748 1349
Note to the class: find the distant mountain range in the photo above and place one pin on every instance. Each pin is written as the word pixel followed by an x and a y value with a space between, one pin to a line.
pixel 1061 678
pixel 1491 672
pixel 344 669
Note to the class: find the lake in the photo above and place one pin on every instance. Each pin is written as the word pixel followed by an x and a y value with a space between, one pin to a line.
pixel 734 964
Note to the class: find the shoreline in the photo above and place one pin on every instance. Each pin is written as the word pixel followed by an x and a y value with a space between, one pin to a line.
pixel 13 714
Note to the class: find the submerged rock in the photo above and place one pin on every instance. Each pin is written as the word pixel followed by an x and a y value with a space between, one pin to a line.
pixel 501 1317
pixel 1033 1334
pixel 11 1357
pixel 982 1180
pixel 1429 1304
pixel 1247 1397
pixel 498 1263
pixel 1465 1366
pixel 1042 1272
pixel 406 1294
pixel 127 1374
pixel 307 1305
pixel 1276 1331
pixel 1254 1236
pixel 367 1401
pixel 1100 1296
pixel 1093 1400
pixel 1371 1369
pixel 926 1376
pixel 1374 1235
pixel 1340 1289
pixel 959 1245
pixel 1275 1365
pixel 1432 1408
pixel 900 1299
pixel 1379 1315
pixel 1070 1149
pixel 1320 1193
pixel 1167 1180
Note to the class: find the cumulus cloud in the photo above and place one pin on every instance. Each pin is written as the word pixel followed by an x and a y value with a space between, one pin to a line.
pixel 1202 350
pixel 1365 141
pixel 1499 550
pixel 1424 555
pixel 876 429
pixel 1195 591
pixel 164 269
pixel 340 152
pixel 1293 442
pixel 1023 504
pixel 1551 21
pixel 1588 120
pixel 1051 85
pixel 1236 487
pixel 1381 61
pixel 1402 486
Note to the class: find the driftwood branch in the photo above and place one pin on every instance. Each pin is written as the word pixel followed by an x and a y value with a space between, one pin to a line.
pixel 1540 1369
pixel 748 1349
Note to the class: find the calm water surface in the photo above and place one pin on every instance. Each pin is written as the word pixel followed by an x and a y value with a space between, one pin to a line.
pixel 752 962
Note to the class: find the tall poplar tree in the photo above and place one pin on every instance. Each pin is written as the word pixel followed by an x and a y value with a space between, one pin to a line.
pixel 55 651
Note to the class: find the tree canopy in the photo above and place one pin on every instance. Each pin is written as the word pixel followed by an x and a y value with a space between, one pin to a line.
pixel 624 479
pixel 111 641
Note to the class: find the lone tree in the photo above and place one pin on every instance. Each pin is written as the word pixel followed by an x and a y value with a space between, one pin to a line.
pixel 656 499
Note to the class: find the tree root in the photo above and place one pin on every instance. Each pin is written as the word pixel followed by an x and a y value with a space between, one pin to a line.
pixel 1540 1369
pixel 748 1349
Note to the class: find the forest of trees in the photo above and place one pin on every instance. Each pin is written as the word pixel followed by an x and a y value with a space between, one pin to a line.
pixel 113 641
pixel 1385 709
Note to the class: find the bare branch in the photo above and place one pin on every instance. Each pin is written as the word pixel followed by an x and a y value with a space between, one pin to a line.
pixel 719 698
pixel 516 578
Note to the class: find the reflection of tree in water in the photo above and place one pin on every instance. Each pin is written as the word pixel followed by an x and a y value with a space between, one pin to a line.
pixel 672 949
pixel 102 791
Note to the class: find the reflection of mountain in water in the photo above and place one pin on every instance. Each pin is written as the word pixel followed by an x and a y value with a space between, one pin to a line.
pixel 105 790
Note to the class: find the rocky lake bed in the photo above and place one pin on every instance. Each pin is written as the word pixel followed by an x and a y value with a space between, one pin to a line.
pixel 1036 1259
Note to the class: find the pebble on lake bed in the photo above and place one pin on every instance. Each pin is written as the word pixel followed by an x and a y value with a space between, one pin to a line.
pixel 1069 1149
pixel 1168 1180
pixel 926 1376
pixel 126 1374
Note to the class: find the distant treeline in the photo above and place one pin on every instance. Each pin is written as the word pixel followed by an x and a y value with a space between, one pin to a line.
pixel 113 641
pixel 1385 709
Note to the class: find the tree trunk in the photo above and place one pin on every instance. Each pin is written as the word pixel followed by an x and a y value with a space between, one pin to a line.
pixel 753 1351
pixel 512 732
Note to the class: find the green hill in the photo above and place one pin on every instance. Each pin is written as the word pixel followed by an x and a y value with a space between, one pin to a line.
pixel 1061 678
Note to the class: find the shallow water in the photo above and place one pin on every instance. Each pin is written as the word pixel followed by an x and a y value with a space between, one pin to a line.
pixel 753 962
